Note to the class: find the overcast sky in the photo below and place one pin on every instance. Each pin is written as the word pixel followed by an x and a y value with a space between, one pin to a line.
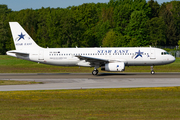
pixel 17 5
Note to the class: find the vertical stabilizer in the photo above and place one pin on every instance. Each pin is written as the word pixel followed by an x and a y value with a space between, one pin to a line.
pixel 22 40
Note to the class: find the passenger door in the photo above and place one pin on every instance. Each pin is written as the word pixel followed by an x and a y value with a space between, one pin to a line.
pixel 152 53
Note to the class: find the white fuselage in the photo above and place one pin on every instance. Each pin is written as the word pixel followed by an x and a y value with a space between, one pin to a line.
pixel 131 56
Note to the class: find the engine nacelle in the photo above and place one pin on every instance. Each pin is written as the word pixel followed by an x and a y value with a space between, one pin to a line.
pixel 114 67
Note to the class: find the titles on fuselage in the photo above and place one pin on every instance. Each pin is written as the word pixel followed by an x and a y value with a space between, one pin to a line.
pixel 112 51
pixel 54 52
pixel 98 52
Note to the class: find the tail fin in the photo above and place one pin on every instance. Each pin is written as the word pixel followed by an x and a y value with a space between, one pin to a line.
pixel 22 40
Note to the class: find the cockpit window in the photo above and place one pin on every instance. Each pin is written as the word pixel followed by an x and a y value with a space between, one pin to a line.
pixel 164 53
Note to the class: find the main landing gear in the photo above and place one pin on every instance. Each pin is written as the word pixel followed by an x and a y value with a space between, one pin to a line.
pixel 152 70
pixel 95 72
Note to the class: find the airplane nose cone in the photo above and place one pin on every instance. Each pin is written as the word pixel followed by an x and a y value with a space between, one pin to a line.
pixel 172 59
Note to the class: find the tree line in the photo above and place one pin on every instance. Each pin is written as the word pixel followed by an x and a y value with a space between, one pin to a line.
pixel 118 23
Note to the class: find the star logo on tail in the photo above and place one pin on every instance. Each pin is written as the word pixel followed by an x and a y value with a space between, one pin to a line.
pixel 21 36
pixel 139 53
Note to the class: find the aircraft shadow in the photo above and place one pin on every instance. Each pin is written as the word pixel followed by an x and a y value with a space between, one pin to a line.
pixel 112 74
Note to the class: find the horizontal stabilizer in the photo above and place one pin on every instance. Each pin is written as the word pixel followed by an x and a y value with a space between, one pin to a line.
pixel 18 52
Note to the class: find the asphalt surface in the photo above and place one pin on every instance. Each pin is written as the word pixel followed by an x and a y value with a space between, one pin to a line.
pixel 52 81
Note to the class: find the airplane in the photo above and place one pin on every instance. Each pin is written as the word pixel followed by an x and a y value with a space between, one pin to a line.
pixel 113 59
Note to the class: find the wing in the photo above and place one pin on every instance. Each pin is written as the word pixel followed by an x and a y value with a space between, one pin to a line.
pixel 93 61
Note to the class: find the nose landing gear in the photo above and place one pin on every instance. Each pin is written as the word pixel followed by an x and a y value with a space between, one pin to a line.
pixel 152 70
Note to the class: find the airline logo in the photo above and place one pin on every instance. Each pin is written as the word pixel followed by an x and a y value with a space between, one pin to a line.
pixel 125 51
pixel 122 51
pixel 21 36
pixel 138 54
pixel 112 51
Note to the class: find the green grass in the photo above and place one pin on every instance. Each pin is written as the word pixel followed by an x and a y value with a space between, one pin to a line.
pixel 13 82
pixel 91 104
pixel 14 65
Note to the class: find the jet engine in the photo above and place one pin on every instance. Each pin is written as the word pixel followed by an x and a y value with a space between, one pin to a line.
pixel 114 67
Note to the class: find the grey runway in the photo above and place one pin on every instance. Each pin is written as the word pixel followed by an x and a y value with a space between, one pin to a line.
pixel 53 81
